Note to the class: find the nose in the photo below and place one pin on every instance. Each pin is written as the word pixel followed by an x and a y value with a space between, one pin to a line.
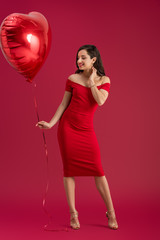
pixel 79 62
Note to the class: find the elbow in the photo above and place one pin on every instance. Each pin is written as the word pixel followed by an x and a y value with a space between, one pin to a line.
pixel 100 104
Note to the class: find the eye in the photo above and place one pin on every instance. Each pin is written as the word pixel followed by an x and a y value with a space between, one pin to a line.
pixel 82 58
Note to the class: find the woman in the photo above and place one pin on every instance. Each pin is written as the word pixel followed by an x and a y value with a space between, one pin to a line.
pixel 84 91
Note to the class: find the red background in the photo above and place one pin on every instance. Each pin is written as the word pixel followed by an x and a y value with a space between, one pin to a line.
pixel 127 125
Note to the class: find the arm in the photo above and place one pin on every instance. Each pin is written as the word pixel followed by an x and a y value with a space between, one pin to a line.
pixel 101 95
pixel 60 110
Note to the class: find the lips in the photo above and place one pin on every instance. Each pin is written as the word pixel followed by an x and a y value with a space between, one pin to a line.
pixel 80 65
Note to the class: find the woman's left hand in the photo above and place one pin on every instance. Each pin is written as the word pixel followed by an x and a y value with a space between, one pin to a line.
pixel 92 77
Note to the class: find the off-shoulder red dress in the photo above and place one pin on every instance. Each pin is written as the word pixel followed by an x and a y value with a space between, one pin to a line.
pixel 77 140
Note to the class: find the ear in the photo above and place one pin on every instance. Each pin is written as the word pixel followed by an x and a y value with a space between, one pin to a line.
pixel 94 58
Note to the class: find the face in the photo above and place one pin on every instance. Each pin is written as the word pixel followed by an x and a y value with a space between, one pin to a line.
pixel 84 61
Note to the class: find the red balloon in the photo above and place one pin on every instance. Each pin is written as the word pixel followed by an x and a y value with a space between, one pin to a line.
pixel 25 40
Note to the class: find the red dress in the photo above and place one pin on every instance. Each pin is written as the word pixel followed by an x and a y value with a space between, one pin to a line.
pixel 77 140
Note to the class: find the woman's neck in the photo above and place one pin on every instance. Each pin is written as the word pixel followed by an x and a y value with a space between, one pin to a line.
pixel 87 73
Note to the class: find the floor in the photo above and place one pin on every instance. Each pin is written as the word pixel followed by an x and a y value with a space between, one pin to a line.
pixel 135 222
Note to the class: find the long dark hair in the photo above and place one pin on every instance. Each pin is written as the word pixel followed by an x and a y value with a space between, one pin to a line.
pixel 92 52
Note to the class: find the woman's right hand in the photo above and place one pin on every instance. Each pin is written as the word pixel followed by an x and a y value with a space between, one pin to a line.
pixel 43 124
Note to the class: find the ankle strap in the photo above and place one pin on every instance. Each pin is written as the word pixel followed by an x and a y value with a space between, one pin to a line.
pixel 111 210
pixel 74 212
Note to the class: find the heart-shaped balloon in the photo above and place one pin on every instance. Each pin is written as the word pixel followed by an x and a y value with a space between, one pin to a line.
pixel 25 40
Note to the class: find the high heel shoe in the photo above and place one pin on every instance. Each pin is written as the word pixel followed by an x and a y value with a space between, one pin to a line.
pixel 112 222
pixel 74 222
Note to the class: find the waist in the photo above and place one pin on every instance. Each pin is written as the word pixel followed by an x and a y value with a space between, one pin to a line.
pixel 80 112
pixel 79 119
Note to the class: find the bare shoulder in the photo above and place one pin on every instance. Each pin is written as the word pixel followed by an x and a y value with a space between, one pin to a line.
pixel 72 77
pixel 105 79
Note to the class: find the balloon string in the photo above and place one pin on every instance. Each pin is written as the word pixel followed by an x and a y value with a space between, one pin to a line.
pixel 47 226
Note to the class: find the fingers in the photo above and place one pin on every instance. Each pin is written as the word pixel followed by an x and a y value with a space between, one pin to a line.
pixel 40 124
pixel 43 125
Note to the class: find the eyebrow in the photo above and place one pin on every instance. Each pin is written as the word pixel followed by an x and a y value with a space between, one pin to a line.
pixel 83 55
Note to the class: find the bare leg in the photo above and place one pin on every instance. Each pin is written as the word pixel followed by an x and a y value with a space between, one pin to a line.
pixel 69 184
pixel 103 188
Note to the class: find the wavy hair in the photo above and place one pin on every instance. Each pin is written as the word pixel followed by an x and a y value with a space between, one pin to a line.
pixel 92 52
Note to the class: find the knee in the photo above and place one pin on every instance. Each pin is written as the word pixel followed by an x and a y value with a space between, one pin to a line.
pixel 99 177
pixel 68 179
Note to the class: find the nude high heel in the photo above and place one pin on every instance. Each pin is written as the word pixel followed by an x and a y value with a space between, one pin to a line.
pixel 74 222
pixel 112 222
